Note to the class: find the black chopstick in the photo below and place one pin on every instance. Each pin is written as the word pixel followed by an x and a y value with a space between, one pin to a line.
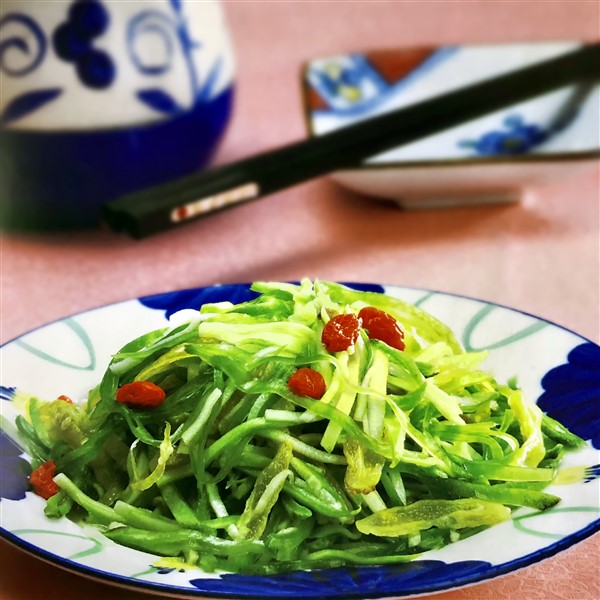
pixel 169 205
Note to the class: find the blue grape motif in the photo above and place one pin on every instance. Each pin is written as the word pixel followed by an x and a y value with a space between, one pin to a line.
pixel 518 138
pixel 95 69
pixel 73 43
pixel 89 17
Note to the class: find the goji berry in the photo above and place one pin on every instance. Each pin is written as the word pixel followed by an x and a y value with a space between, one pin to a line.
pixel 340 332
pixel 307 382
pixel 382 326
pixel 41 480
pixel 141 394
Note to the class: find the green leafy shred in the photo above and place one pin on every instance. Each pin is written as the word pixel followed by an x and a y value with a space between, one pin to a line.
pixel 407 450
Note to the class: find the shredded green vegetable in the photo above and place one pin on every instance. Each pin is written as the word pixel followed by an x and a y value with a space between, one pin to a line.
pixel 406 451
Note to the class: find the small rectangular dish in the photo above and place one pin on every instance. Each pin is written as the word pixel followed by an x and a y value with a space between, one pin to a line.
pixel 491 159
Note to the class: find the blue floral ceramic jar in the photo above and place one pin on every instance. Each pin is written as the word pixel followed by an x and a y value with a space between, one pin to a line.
pixel 104 97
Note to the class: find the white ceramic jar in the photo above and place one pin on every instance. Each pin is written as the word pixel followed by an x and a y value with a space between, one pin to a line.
pixel 104 97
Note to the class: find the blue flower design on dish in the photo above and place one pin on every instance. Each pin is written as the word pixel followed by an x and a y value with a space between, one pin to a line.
pixel 572 392
pixel 357 84
pixel 518 138
pixel 372 582
pixel 194 298
pixel 14 469
pixel 344 81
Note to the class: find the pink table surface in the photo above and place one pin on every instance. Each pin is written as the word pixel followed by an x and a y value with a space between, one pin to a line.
pixel 540 255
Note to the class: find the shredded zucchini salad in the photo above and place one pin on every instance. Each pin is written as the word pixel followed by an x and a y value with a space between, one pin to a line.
pixel 312 427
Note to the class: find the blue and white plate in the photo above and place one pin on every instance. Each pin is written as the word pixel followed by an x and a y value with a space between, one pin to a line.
pixel 553 365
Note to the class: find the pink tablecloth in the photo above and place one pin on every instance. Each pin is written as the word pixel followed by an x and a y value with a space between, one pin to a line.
pixel 540 255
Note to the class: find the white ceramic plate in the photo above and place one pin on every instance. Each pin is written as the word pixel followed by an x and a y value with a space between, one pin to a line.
pixel 558 367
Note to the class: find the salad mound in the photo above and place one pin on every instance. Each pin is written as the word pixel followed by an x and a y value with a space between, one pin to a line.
pixel 315 426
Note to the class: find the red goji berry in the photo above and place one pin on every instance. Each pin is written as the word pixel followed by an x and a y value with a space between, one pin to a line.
pixel 340 332
pixel 41 480
pixel 141 394
pixel 307 382
pixel 382 326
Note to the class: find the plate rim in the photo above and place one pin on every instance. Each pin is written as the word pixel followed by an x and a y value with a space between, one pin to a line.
pixel 158 588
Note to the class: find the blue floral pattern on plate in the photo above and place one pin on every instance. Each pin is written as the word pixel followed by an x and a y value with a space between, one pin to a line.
pixel 14 469
pixel 194 298
pixel 359 582
pixel 572 392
